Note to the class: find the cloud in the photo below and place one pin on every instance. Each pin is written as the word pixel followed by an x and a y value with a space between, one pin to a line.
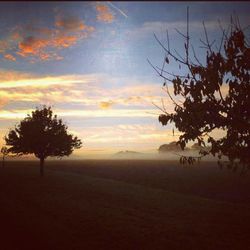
pixel 137 113
pixel 44 43
pixel 42 31
pixel 15 80
pixel 17 86
pixel 32 46
pixel 104 13
pixel 22 87
pixel 159 28
pixel 3 46
pixel 126 113
pixel 8 42
pixel 93 92
pixel 88 92
pixel 70 23
pixel 10 57
pixel 65 41
pixel 77 98
pixel 106 105
pixel 11 75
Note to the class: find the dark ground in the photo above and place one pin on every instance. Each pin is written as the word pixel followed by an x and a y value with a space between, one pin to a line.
pixel 134 204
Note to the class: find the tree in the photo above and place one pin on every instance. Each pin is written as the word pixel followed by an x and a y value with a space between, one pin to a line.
pixel 204 107
pixel 196 146
pixel 172 146
pixel 43 135
pixel 4 151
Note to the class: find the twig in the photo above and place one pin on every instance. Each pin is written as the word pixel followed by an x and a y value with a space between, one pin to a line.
pixel 223 30
pixel 177 53
pixel 163 63
pixel 205 30
pixel 187 49
pixel 168 41
pixel 158 71
pixel 163 105
pixel 172 74
pixel 180 33
pixel 167 90
pixel 222 38
pixel 164 111
pixel 196 58
pixel 169 53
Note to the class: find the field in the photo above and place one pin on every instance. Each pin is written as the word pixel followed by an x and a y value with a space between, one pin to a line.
pixel 123 204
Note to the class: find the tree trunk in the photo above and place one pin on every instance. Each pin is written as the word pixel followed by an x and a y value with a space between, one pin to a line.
pixel 3 162
pixel 41 166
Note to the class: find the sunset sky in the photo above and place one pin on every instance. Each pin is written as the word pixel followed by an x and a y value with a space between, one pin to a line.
pixel 88 60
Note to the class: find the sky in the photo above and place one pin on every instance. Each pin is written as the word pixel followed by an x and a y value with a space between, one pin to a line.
pixel 88 60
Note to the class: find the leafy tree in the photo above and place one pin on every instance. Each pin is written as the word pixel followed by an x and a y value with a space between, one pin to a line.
pixel 172 146
pixel 4 151
pixel 43 135
pixel 214 94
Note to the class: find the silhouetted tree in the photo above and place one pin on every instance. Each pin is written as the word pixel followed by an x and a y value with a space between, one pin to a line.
pixel 43 135
pixel 214 94
pixel 172 146
pixel 4 151
pixel 196 146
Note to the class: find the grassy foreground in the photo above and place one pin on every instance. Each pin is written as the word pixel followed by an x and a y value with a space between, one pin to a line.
pixel 123 205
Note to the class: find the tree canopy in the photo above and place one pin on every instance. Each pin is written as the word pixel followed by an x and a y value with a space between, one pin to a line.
pixel 215 94
pixel 172 146
pixel 43 135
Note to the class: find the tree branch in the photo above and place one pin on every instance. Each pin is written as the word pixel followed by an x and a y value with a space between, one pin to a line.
pixel 167 90
pixel 207 41
pixel 163 110
pixel 165 78
pixel 169 53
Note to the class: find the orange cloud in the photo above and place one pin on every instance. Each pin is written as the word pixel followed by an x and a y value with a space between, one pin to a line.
pixel 42 31
pixel 84 90
pixel 11 75
pixel 9 41
pixel 10 57
pixel 106 105
pixel 32 46
pixel 44 43
pixel 64 41
pixel 70 23
pixel 104 14
pixel 67 33
pixel 3 46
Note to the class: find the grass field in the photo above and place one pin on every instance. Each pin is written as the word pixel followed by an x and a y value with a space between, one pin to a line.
pixel 133 204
